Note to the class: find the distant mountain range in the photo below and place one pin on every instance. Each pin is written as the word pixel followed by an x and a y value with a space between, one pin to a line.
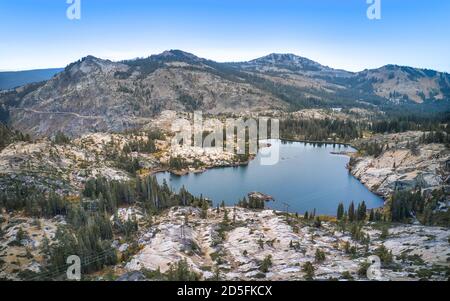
pixel 13 79
pixel 95 94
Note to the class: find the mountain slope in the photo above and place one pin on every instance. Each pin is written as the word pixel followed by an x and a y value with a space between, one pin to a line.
pixel 400 83
pixel 290 63
pixel 96 94
pixel 100 95
pixel 391 82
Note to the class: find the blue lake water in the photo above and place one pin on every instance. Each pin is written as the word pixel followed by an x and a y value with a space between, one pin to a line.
pixel 307 176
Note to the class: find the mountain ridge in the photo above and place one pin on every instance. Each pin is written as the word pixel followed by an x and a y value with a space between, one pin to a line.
pixel 107 95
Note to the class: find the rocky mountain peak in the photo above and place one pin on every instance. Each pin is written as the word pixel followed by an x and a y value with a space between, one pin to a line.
pixel 90 65
pixel 286 59
pixel 90 58
pixel 179 53
pixel 176 55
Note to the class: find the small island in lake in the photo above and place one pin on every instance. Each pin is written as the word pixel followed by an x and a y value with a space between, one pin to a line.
pixel 259 196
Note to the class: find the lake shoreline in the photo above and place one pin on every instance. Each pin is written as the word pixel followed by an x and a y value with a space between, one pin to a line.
pixel 309 192
pixel 318 142
pixel 187 171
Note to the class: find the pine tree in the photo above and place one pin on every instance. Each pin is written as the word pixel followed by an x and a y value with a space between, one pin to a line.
pixel 225 217
pixel 351 212
pixel 204 212
pixel 181 272
pixel 45 246
pixel 320 255
pixel 308 269
pixel 362 211
pixel 266 264
pixel 317 222
pixel 217 276
pixel 340 211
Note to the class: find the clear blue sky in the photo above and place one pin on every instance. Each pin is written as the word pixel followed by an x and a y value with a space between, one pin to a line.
pixel 37 34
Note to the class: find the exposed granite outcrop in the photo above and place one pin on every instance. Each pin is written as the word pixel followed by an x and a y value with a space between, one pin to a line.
pixel 401 167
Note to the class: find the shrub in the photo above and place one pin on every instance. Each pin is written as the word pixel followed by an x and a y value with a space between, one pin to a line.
pixel 266 264
pixel 308 269
pixel 384 254
pixel 320 255
pixel 363 267
pixel 346 275
pixel 181 272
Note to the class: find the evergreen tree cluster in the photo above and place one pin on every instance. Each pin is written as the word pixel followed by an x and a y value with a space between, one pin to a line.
pixel 403 122
pixel 320 130
pixel 345 130
pixel 177 163
pixel 180 271
pixel 310 216
pixel 435 137
pixel 33 201
pixel 352 214
pixel 405 205
pixel 147 145
pixel 251 203
pixel 375 215
pixel 145 192
pixel 121 158
pixel 8 136
pixel 87 236
pixel 99 195
pixel 89 230
pixel 61 138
